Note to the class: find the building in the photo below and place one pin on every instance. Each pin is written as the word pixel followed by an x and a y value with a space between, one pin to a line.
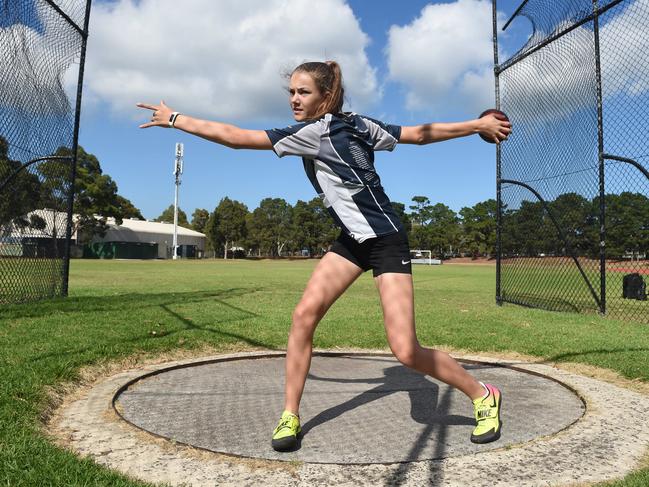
pixel 41 233
pixel 141 239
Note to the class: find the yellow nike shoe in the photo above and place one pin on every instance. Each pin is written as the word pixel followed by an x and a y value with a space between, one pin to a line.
pixel 487 415
pixel 287 431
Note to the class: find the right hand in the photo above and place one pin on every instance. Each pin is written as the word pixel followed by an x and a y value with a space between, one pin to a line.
pixel 495 129
pixel 159 117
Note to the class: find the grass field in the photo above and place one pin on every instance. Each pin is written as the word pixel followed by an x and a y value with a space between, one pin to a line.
pixel 29 278
pixel 120 309
pixel 556 283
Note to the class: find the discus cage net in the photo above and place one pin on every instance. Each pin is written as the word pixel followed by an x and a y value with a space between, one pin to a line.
pixel 573 178
pixel 43 46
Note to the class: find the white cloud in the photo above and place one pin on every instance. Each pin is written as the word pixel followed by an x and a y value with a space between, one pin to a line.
pixel 554 82
pixel 219 58
pixel 37 109
pixel 445 57
pixel 625 50
pixel 559 80
pixel 32 70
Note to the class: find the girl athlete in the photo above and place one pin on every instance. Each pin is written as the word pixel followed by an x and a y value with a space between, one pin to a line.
pixel 337 150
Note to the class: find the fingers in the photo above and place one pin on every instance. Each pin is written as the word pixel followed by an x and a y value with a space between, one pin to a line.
pixel 503 130
pixel 501 136
pixel 147 106
pixel 159 117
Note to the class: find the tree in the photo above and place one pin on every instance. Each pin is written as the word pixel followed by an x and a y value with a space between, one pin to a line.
pixel 444 230
pixel 572 213
pixel 21 194
pixel 525 230
pixel 199 219
pixel 479 228
pixel 228 225
pixel 46 186
pixel 128 209
pixel 435 227
pixel 167 216
pixel 327 230
pixel 95 198
pixel 400 210
pixel 421 210
pixel 269 226
pixel 212 232
pixel 304 226
pixel 312 227
pixel 627 224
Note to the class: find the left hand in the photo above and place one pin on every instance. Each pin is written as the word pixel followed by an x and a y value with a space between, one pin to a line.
pixel 159 117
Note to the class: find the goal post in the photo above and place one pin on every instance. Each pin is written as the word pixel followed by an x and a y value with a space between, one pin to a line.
pixel 421 256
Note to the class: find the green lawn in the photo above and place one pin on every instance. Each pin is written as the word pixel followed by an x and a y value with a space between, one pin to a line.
pixel 29 278
pixel 562 287
pixel 119 309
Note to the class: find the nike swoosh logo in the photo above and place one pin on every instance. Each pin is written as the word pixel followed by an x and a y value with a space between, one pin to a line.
pixel 493 399
pixel 404 262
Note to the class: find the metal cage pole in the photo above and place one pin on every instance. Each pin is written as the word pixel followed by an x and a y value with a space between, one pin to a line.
pixel 600 155
pixel 498 172
pixel 75 146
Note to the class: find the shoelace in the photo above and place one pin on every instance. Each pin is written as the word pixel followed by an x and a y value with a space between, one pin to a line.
pixel 284 424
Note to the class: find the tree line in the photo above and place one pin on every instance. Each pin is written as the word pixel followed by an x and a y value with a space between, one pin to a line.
pixel 276 228
pixel 570 223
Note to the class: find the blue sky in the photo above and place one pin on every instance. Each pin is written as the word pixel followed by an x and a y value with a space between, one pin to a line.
pixel 406 63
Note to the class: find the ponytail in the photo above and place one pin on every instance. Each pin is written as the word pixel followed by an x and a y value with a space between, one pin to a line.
pixel 335 104
pixel 329 80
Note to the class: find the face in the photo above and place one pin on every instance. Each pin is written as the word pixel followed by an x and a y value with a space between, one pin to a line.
pixel 304 96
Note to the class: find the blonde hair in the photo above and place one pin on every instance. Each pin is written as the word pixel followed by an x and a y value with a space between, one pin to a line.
pixel 329 80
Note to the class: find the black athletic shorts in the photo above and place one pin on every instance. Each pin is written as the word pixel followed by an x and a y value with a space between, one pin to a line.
pixel 389 253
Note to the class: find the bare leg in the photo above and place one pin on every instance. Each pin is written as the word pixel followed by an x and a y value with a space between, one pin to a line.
pixel 397 300
pixel 331 277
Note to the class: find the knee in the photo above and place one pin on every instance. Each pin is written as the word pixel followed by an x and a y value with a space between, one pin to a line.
pixel 305 317
pixel 406 353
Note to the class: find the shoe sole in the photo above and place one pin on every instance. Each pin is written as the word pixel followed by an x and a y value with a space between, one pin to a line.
pixel 489 437
pixel 286 444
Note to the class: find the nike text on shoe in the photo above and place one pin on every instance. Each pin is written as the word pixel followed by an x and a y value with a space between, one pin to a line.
pixel 287 431
pixel 487 415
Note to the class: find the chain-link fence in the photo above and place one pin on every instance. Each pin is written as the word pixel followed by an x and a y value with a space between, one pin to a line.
pixel 43 47
pixel 573 178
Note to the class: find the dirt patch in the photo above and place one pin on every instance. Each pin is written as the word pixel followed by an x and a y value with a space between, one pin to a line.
pixel 628 270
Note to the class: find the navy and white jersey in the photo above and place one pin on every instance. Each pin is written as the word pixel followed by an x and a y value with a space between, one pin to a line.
pixel 338 156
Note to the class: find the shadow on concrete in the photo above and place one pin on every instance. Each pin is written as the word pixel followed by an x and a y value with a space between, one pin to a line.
pixel 426 408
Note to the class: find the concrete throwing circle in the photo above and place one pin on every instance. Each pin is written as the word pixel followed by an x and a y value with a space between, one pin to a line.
pixel 356 408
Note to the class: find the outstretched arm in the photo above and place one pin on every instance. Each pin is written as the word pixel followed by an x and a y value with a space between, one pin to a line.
pixel 489 126
pixel 221 133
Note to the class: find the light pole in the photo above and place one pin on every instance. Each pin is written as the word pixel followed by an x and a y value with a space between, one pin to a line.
pixel 178 170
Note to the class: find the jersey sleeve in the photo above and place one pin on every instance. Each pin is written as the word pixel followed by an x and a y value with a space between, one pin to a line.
pixel 302 139
pixel 384 136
